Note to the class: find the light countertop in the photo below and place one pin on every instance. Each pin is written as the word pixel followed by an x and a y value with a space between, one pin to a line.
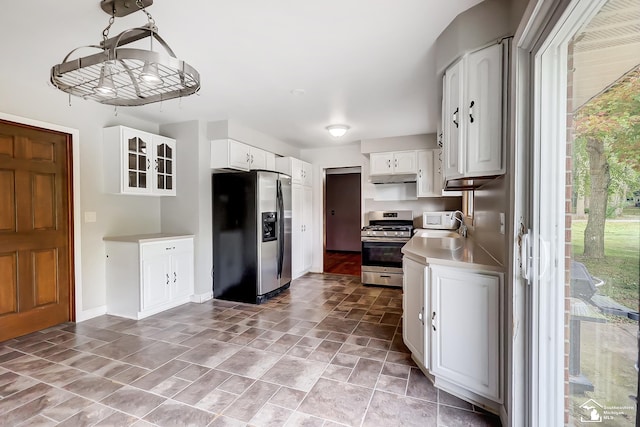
pixel 142 238
pixel 452 252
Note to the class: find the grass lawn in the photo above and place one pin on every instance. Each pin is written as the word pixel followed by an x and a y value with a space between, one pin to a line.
pixel 621 267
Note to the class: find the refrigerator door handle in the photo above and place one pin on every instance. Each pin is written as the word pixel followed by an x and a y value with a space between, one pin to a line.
pixel 280 219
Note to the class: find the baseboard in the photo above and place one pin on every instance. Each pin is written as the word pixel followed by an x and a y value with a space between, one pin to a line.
pixel 91 313
pixel 200 298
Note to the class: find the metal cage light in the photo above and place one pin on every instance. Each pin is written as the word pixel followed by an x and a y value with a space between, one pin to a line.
pixel 125 76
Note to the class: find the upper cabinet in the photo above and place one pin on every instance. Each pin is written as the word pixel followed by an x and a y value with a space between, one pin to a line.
pixel 393 163
pixel 137 162
pixel 429 182
pixel 231 154
pixel 473 95
pixel 299 171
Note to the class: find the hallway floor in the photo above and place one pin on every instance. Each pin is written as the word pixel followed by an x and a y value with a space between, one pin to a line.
pixel 328 352
pixel 341 262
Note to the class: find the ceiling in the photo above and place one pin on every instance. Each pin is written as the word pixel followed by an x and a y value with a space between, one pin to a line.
pixel 368 64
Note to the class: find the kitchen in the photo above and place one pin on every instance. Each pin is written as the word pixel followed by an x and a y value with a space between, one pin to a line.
pixel 98 213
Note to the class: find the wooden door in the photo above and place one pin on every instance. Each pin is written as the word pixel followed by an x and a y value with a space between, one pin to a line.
pixel 35 229
pixel 342 212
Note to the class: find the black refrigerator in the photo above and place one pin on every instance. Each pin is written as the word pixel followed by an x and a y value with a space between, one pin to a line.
pixel 251 235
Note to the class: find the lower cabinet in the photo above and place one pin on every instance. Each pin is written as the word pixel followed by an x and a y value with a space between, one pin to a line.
pixel 465 329
pixel 452 324
pixel 148 274
pixel 414 307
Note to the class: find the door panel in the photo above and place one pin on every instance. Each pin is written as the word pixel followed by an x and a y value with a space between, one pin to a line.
pixel 35 243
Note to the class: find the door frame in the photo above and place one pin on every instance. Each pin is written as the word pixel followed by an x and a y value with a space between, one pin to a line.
pixel 538 345
pixel 75 304
pixel 348 169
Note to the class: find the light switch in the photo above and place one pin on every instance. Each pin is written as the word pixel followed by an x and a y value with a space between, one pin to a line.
pixel 90 217
pixel 501 222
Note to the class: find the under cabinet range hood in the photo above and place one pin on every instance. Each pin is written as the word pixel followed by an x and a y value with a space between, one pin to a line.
pixel 464 184
pixel 393 179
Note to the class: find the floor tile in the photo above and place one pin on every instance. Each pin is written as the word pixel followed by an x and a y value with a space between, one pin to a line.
pixel 366 373
pixel 203 386
pixel 295 373
pixel 454 417
pixel 173 414
pixel 388 409
pixel 88 416
pixel 91 387
pixel 210 353
pixel 299 419
pixel 421 387
pixel 250 402
pixel 287 397
pixel 249 362
pixel 123 347
pixel 133 401
pixel 155 355
pixel 340 402
pixel 271 416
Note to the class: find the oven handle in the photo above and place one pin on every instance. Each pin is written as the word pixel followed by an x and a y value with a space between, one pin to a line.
pixel 384 240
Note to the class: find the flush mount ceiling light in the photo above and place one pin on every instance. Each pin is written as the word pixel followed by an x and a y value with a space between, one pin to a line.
pixel 126 76
pixel 337 131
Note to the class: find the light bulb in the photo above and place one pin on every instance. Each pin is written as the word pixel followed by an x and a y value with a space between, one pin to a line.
pixel 150 74
pixel 106 87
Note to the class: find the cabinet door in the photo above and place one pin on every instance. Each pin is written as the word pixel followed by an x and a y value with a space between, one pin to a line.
pixel 138 153
pixel 156 280
pixel 270 161
pixel 381 163
pixel 307 235
pixel 297 221
pixel 453 122
pixel 425 181
pixel 307 175
pixel 405 162
pixel 257 158
pixel 483 112
pixel 164 150
pixel 296 171
pixel 413 309
pixel 465 329
pixel 181 275
pixel 239 155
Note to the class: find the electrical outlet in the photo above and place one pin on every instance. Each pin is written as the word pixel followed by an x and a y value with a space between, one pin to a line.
pixel 501 222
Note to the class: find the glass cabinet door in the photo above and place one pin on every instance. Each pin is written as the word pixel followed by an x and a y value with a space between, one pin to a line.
pixel 164 166
pixel 138 161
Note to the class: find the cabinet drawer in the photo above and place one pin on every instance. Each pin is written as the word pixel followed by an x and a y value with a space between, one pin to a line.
pixel 166 247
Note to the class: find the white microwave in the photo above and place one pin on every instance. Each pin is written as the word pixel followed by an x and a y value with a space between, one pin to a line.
pixel 445 220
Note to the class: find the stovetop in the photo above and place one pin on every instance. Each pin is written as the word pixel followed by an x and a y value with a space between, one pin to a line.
pixel 394 231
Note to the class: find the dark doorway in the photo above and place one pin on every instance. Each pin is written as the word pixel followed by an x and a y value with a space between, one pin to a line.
pixel 342 221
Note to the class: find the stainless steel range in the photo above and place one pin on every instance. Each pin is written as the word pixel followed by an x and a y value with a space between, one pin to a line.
pixel 382 240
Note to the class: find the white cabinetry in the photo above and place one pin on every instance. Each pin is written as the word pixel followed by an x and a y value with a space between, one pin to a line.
pixel 231 154
pixel 393 163
pixel 429 182
pixel 148 274
pixel 414 307
pixel 301 236
pixel 137 162
pixel 298 170
pixel 465 329
pixel 473 115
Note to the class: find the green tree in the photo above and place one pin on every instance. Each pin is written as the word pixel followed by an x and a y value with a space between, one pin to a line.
pixel 608 127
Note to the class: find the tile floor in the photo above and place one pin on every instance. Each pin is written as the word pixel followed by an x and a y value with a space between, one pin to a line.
pixel 328 352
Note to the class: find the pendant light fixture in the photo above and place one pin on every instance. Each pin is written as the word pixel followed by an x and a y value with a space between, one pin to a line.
pixel 126 76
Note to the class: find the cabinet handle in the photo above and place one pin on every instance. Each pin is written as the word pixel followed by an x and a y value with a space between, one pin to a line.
pixel 471 111
pixel 167 279
pixel 148 163
pixel 389 163
pixel 175 277
pixel 433 317
pixel 455 117
pixel 156 164
pixel 248 158
pixel 169 248
pixel 420 173
pixel 395 162
pixel 252 159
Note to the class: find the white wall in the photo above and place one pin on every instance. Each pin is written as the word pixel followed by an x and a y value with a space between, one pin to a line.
pixel 235 130
pixel 115 214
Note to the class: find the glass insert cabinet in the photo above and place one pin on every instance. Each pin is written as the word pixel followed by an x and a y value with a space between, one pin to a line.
pixel 138 162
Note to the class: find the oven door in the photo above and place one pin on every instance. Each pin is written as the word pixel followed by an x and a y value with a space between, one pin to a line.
pixel 382 252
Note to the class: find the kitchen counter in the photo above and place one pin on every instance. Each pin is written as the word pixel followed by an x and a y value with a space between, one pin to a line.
pixel 454 252
pixel 142 238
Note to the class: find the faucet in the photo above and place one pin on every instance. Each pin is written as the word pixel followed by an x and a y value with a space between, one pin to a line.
pixel 462 230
